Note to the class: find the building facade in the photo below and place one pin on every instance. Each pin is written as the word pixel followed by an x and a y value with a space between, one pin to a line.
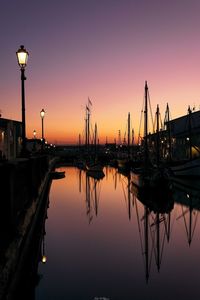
pixel 10 139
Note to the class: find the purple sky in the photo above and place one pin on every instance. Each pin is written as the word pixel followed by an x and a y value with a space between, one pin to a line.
pixel 104 49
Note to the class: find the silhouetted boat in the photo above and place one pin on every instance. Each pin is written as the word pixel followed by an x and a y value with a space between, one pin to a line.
pixel 96 174
pixel 150 175
pixel 93 165
pixel 124 161
pixel 57 175
pixel 191 167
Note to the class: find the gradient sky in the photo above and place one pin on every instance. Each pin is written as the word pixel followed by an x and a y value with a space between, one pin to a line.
pixel 102 49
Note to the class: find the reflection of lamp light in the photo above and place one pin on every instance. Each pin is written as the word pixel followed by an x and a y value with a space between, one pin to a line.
pixel 43 256
pixel 44 259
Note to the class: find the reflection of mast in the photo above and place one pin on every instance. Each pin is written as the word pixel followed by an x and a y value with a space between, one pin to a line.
pixel 146 242
pixel 156 243
pixel 190 228
pixel 167 223
pixel 88 204
pixel 158 257
pixel 80 180
pixel 95 197
pixel 92 196
pixel 128 196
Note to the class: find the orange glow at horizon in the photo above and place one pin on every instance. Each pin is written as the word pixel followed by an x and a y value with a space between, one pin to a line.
pixel 104 51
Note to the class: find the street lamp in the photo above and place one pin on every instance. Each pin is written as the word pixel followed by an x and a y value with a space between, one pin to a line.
pixel 34 144
pixel 34 133
pixel 22 57
pixel 42 113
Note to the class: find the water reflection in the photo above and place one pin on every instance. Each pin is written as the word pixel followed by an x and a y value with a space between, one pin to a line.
pixel 132 233
pixel 154 224
pixel 91 186
pixel 187 193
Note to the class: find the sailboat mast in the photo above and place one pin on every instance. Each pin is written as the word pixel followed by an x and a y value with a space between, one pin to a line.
pixel 146 126
pixel 157 136
pixel 95 140
pixel 167 119
pixel 190 130
pixel 129 128
pixel 86 121
pixel 88 128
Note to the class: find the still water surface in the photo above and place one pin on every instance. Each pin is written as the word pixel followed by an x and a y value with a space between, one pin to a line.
pixel 101 242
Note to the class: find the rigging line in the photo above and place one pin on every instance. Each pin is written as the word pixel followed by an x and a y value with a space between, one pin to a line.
pixel 195 223
pixel 99 193
pixel 167 222
pixel 150 109
pixel 141 115
pixel 185 224
pixel 152 233
pixel 161 122
pixel 154 124
pixel 139 228
pixel 151 255
pixel 152 248
pixel 125 132
pixel 162 248
pixel 172 225
pixel 124 195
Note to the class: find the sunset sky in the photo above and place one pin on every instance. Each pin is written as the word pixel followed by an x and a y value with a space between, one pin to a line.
pixel 101 49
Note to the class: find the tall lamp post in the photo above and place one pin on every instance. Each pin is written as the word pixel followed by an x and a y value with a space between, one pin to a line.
pixel 34 144
pixel 42 113
pixel 22 57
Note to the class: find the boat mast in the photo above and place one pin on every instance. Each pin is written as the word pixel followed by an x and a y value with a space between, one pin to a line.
pixel 88 127
pixel 129 128
pixel 146 153
pixel 189 131
pixel 86 120
pixel 95 141
pixel 167 124
pixel 157 136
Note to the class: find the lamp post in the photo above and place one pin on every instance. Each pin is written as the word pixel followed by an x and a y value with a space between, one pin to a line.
pixel 22 57
pixel 42 113
pixel 34 144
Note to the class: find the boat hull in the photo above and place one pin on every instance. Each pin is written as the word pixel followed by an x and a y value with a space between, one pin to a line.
pixel 187 169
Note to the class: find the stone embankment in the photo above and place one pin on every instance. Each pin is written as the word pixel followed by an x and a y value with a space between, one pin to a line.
pixel 23 185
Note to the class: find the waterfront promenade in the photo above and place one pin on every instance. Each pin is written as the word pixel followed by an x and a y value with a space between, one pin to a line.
pixel 25 184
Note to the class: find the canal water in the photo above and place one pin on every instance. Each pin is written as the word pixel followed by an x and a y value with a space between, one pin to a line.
pixel 102 242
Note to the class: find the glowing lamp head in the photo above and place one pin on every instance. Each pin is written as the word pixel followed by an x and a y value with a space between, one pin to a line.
pixel 34 133
pixel 42 113
pixel 22 57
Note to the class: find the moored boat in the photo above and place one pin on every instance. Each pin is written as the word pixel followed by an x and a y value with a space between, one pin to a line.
pixel 189 168
pixel 57 174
